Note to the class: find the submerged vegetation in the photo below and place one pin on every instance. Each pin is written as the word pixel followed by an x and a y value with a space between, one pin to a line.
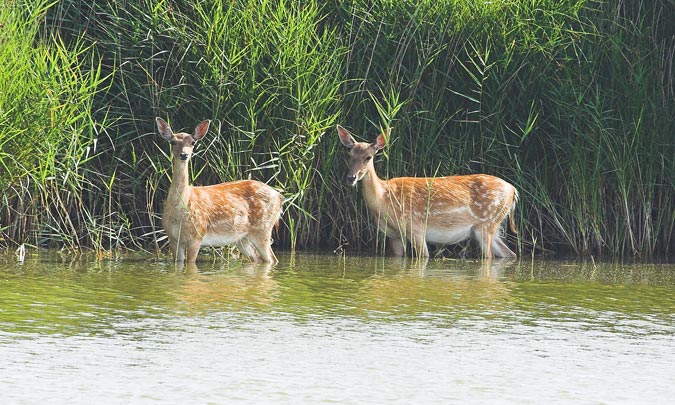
pixel 571 101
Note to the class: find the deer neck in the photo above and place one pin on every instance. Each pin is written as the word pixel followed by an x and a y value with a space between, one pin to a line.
pixel 179 191
pixel 374 189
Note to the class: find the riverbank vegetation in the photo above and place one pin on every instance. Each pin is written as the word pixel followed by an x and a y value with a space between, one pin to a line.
pixel 571 101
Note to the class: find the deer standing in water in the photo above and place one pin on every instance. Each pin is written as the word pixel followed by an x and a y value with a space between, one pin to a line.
pixel 243 212
pixel 438 210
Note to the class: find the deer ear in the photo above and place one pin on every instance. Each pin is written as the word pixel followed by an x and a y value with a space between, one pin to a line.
pixel 380 142
pixel 164 129
pixel 345 137
pixel 201 130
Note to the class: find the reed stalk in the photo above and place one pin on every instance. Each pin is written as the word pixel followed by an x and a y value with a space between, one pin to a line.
pixel 571 101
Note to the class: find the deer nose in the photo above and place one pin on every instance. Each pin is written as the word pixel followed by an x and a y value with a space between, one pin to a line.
pixel 183 156
pixel 351 178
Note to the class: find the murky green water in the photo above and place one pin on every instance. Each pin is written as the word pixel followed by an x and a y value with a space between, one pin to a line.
pixel 322 328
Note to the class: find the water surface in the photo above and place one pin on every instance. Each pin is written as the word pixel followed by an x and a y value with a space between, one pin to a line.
pixel 326 328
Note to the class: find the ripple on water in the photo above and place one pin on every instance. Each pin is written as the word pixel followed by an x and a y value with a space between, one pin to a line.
pixel 370 331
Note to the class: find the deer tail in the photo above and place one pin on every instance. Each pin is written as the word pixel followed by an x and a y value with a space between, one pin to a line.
pixel 512 222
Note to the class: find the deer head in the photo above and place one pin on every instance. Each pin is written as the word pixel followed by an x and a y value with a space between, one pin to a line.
pixel 360 155
pixel 182 143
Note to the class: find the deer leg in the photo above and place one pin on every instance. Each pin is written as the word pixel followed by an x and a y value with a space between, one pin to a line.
pixel 248 249
pixel 485 237
pixel 178 251
pixel 500 249
pixel 419 245
pixel 264 248
pixel 192 251
pixel 174 248
pixel 397 246
pixel 269 256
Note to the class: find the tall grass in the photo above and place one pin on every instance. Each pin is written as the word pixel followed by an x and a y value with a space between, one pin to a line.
pixel 47 134
pixel 572 101
pixel 265 72
pixel 553 96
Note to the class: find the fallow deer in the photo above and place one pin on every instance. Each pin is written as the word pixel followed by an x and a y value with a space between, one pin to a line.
pixel 242 213
pixel 437 210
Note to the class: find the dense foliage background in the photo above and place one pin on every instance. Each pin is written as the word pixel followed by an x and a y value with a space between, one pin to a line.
pixel 570 100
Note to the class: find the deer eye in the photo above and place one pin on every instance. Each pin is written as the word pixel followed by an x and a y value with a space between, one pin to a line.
pixel 367 158
pixel 194 143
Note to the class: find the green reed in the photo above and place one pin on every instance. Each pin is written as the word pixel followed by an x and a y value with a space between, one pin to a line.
pixel 47 133
pixel 571 101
